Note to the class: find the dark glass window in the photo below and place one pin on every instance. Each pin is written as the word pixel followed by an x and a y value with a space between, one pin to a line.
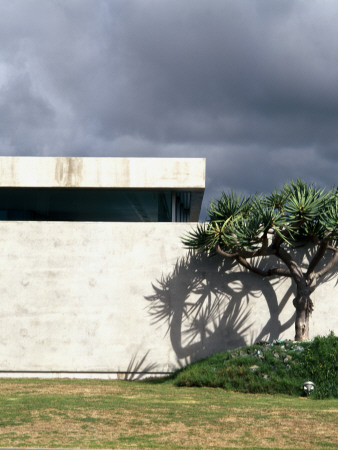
pixel 182 206
pixel 85 204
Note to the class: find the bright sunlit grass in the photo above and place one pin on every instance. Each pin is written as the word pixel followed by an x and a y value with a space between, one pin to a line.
pixel 121 414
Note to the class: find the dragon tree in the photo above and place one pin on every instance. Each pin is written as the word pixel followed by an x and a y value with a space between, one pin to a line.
pixel 243 228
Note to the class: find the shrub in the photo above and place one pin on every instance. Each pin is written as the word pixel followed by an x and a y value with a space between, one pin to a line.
pixel 278 367
pixel 320 363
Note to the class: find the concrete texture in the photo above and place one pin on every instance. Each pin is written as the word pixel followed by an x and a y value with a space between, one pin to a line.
pixel 105 299
pixel 145 173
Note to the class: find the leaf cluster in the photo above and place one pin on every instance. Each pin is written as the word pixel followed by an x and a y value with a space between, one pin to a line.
pixel 239 224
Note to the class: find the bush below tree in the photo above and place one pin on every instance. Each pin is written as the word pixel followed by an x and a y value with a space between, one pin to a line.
pixel 280 367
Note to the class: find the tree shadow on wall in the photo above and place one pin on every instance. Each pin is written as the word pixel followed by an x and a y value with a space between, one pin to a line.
pixel 206 307
pixel 137 367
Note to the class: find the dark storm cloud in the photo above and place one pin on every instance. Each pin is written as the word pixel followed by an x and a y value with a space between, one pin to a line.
pixel 250 85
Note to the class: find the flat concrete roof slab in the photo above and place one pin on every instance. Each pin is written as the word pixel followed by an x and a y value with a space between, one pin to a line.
pixel 146 173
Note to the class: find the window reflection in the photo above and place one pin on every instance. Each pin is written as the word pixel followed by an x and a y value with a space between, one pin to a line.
pixel 93 204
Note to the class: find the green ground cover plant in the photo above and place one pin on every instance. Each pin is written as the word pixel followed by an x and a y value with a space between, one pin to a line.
pixel 277 367
pixel 124 414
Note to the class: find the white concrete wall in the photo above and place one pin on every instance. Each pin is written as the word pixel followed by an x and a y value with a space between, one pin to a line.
pixel 126 297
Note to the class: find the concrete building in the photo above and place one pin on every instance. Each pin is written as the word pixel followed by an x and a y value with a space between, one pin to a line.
pixel 101 189
pixel 94 280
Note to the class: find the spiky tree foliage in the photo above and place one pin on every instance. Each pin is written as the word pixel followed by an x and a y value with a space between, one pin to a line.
pixel 246 227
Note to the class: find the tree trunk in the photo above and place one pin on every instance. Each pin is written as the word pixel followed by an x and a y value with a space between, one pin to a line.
pixel 304 307
pixel 302 325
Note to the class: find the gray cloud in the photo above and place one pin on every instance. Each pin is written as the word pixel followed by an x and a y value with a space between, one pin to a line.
pixel 251 85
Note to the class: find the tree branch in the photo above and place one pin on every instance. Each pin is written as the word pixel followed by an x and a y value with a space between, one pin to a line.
pixel 295 270
pixel 223 253
pixel 328 266
pixel 277 241
pixel 318 256
pixel 263 251
pixel 264 273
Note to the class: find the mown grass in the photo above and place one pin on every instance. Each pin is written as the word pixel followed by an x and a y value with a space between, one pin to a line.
pixel 122 414
pixel 158 414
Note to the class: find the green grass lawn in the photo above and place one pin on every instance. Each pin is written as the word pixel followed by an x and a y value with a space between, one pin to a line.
pixel 121 414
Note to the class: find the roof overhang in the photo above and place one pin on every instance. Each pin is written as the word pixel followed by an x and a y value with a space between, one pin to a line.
pixel 175 174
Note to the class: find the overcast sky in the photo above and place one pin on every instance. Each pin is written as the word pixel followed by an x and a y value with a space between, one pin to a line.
pixel 252 85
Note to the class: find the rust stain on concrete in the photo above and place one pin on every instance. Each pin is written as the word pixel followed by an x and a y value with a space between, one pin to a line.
pixel 69 171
